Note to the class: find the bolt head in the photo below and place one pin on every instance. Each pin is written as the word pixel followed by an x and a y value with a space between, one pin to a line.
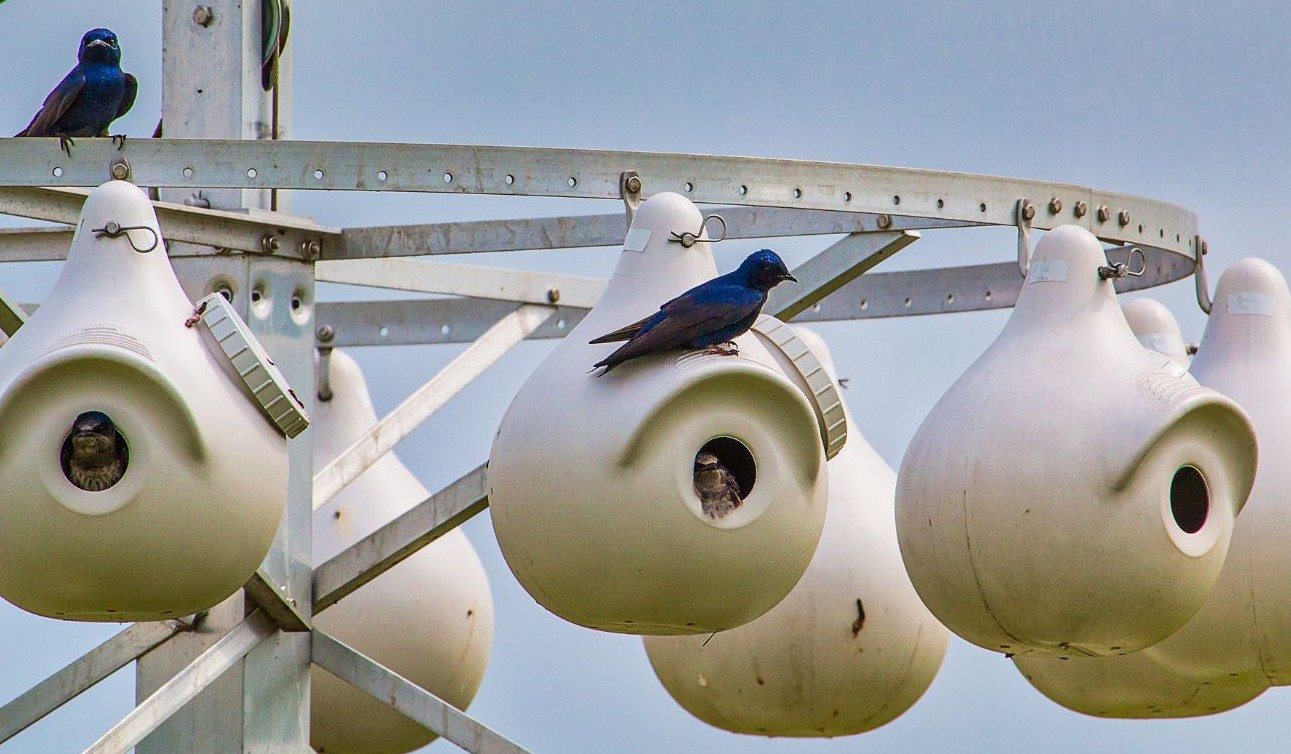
pixel 1104 213
pixel 203 15
pixel 634 184
pixel 1055 206
pixel 326 333
pixel 1028 211
pixel 1082 209
pixel 1123 217
pixel 553 295
pixel 120 170
pixel 885 222
pixel 310 249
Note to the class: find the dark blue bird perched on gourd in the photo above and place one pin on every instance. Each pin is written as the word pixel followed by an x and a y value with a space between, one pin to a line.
pixel 710 316
pixel 87 100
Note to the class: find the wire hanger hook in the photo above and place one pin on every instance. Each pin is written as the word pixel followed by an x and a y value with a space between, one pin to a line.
pixel 688 239
pixel 114 229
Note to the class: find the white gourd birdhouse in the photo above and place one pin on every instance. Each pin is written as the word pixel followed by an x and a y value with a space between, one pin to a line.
pixel 1156 328
pixel 1239 642
pixel 591 477
pixel 205 469
pixel 1072 493
pixel 429 619
pixel 851 648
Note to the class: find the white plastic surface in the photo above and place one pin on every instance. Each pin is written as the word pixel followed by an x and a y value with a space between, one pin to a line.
pixel 1156 328
pixel 202 495
pixel 811 666
pixel 1034 503
pixel 592 492
pixel 429 619
pixel 1239 642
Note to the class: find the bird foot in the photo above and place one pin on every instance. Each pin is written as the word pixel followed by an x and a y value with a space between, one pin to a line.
pixel 119 140
pixel 65 143
pixel 723 349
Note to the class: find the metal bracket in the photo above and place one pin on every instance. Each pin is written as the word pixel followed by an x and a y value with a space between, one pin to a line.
pixel 1201 248
pixel 1024 214
pixel 630 190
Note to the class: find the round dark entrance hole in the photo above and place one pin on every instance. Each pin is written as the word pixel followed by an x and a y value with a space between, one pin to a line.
pixel 1189 499
pixel 737 459
pixel 94 455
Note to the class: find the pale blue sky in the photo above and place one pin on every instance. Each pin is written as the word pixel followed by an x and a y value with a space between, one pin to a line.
pixel 1182 101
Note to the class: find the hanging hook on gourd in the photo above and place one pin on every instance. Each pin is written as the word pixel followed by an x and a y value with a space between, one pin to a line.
pixel 1023 215
pixel 688 239
pixel 1200 248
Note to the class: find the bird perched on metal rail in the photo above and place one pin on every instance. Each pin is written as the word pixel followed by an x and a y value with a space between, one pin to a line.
pixel 709 316
pixel 718 491
pixel 87 100
pixel 94 457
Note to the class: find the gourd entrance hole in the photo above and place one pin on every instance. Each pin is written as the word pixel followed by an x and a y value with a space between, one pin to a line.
pixel 99 475
pixel 1189 499
pixel 736 458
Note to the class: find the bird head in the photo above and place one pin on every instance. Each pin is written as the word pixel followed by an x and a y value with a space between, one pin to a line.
pixel 99 46
pixel 765 270
pixel 93 436
pixel 706 461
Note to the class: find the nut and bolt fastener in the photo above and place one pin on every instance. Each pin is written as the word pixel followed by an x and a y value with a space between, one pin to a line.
pixel 202 15
pixel 1103 213
pixel 310 249
pixel 634 184
pixel 884 222
pixel 1081 209
pixel 1123 217
pixel 1028 211
pixel 1055 206
pixel 553 295
pixel 120 170
pixel 325 333
pixel 269 243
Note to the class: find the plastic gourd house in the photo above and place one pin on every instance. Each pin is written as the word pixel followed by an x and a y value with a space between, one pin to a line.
pixel 591 477
pixel 429 619
pixel 1072 493
pixel 142 479
pixel 1156 328
pixel 850 649
pixel 1239 642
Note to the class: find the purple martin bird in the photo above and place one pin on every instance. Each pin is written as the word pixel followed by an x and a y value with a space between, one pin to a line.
pixel 94 456
pixel 710 315
pixel 87 100
pixel 718 491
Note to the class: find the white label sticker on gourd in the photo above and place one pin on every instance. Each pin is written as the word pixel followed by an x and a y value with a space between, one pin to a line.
pixel 1251 303
pixel 637 239
pixel 1048 271
pixel 1161 342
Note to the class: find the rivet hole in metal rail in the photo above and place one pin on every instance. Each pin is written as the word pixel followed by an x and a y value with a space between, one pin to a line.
pixel 877 210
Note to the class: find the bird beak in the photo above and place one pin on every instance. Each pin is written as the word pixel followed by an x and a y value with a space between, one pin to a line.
pixel 787 276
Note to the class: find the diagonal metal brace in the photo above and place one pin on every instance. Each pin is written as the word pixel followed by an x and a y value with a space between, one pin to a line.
pixel 172 695
pixel 427 399
pixel 82 674
pixel 410 700
pixel 831 269
pixel 388 546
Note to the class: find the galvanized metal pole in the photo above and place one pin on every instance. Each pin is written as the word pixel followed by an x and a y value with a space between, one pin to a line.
pixel 211 64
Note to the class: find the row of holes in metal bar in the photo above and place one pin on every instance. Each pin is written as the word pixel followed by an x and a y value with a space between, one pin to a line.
pixel 687 187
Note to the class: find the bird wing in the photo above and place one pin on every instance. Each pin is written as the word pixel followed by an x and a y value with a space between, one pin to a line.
pixel 627 332
pixel 127 98
pixel 56 104
pixel 690 316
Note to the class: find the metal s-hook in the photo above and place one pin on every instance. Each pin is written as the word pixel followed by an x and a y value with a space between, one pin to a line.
pixel 114 229
pixel 688 239
pixel 1122 269
pixel 1199 274
pixel 1023 215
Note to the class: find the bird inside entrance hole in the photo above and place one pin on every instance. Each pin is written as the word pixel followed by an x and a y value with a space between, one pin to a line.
pixel 95 455
pixel 710 316
pixel 91 96
pixel 719 493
